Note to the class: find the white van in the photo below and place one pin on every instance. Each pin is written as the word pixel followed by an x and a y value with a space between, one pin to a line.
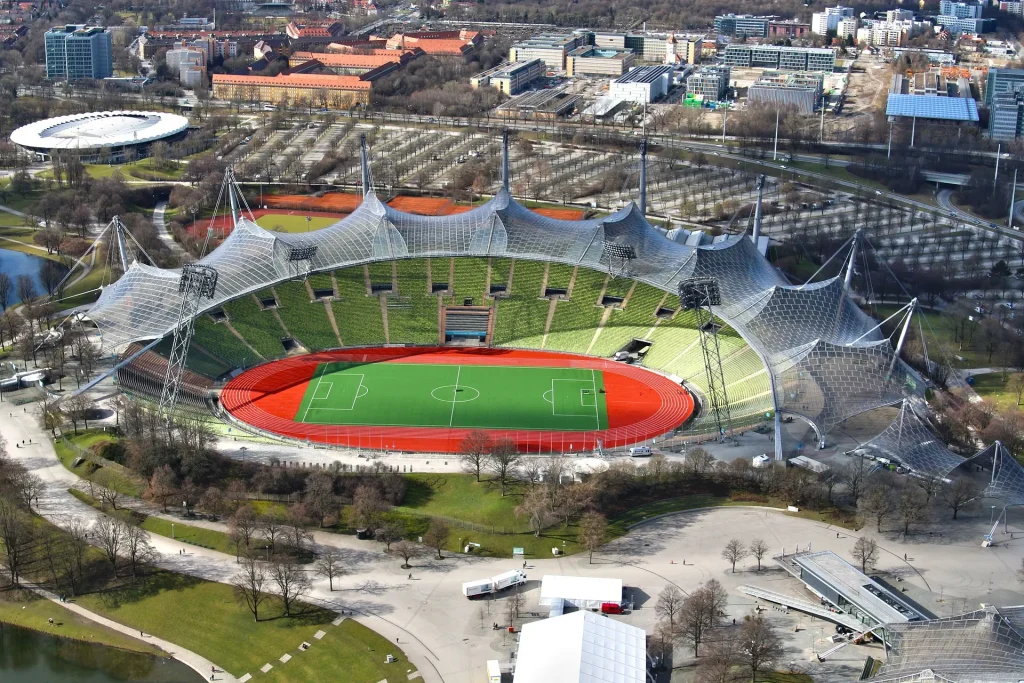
pixel 640 451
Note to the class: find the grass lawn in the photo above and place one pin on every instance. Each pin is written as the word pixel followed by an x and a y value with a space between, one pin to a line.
pixel 350 648
pixel 459 496
pixel 205 617
pixel 105 476
pixel 26 609
pixel 939 329
pixel 280 222
pixel 8 220
pixel 993 387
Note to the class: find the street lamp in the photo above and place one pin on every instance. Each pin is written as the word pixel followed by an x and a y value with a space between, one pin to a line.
pixel 172 530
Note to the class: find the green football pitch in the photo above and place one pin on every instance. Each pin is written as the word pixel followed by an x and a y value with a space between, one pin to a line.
pixel 465 396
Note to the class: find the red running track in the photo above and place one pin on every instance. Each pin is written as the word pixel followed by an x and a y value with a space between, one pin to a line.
pixel 641 404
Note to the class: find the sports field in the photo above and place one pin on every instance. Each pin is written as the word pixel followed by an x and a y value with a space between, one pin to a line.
pixel 426 399
pixel 471 396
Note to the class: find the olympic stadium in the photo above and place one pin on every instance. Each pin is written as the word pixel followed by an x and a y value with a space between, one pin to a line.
pixel 501 285
pixel 99 136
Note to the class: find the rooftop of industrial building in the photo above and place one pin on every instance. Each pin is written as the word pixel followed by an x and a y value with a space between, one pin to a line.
pixel 932 107
pixel 855 586
pixel 644 74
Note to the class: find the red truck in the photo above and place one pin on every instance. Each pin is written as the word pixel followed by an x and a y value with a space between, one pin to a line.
pixel 610 608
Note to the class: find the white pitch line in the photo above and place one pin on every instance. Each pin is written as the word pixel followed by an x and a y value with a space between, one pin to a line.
pixel 455 393
pixel 597 411
pixel 315 389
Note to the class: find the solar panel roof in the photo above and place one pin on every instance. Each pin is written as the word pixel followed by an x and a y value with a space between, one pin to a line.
pixel 932 107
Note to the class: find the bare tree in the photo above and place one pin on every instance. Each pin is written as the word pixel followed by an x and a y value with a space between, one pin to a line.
pixel 109 532
pixel 877 503
pixel 700 613
pixel 536 507
pixel 959 494
pixel 865 551
pixel 719 660
pixel 513 605
pixel 390 532
pixel 733 552
pixel 292 583
pixel 271 526
pixel 593 528
pixel 250 585
pixel 368 506
pixel 437 535
pixel 669 604
pixel 137 548
pixel 473 451
pixel 319 497
pixel 163 486
pixel 758 549
pixel 911 507
pixel 406 550
pixel 110 497
pixel 698 462
pixel 502 462
pixel 760 645
pixel 77 530
pixel 16 537
pixel 242 528
pixel 328 565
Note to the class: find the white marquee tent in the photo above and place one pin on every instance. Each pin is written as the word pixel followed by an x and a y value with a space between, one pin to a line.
pixel 581 647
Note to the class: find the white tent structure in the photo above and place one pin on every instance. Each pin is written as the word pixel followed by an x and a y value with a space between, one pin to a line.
pixel 584 592
pixel 581 647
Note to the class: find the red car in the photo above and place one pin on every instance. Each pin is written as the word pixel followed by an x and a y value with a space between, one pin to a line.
pixel 610 608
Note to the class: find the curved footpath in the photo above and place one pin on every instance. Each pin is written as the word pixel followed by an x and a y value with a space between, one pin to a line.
pixel 449 638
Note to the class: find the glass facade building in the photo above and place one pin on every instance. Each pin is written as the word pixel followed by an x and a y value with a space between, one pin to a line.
pixel 75 51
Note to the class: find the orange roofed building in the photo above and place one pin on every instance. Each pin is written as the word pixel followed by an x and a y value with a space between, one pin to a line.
pixel 438 43
pixel 356 63
pixel 334 92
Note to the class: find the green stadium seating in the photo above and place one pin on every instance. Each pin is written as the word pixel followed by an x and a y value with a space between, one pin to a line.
pixel 522 314
pixel 632 322
pixel 575 319
pixel 358 316
pixel 470 281
pixel 412 313
pixel 258 327
pixel 558 276
pixel 305 319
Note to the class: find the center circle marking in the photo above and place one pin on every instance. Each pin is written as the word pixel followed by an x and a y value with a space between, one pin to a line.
pixel 449 395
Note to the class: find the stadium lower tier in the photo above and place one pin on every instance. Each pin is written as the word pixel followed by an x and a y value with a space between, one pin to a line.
pixel 430 399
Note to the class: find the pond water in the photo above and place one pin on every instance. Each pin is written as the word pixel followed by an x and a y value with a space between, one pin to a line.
pixel 15 263
pixel 28 656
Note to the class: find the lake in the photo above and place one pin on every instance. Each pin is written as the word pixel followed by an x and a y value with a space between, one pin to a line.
pixel 28 656
pixel 15 263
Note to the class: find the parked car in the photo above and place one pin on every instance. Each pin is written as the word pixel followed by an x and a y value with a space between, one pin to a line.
pixel 610 608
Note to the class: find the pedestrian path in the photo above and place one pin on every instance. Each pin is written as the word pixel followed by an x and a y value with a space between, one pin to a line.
pixel 200 664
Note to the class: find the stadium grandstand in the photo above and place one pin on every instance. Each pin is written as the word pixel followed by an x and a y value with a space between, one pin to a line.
pixel 599 296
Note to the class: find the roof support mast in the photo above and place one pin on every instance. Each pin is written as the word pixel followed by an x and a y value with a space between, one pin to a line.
pixel 122 247
pixel 757 210
pixel 849 264
pixel 506 174
pixel 643 177
pixel 364 165
pixel 903 336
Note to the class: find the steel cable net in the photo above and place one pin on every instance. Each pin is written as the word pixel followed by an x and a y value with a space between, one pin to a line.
pixel 1007 483
pixel 816 343
pixel 983 646
pixel 909 441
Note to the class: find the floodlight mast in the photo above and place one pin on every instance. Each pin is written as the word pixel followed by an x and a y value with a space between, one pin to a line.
pixel 624 252
pixel 701 294
pixel 197 282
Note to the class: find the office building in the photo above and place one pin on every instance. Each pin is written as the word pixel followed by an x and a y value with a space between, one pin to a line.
pixel 823 22
pixel 594 61
pixel 710 83
pixel 799 90
pixel 957 25
pixel 510 79
pixel 960 10
pixel 899 15
pixel 781 57
pixel 334 92
pixel 75 51
pixel 1006 115
pixel 642 85
pixel 847 28
pixel 742 25
pixel 788 29
pixel 550 49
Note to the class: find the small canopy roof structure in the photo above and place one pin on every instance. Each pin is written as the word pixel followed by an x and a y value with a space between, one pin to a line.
pixel 582 591
pixel 581 647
